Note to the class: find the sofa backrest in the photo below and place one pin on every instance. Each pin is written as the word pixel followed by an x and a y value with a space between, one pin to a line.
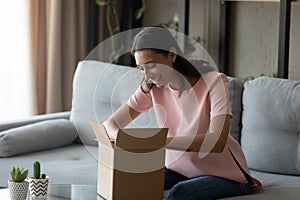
pixel 99 89
pixel 236 87
pixel 271 125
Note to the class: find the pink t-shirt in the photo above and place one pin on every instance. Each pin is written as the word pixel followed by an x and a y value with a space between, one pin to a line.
pixel 190 114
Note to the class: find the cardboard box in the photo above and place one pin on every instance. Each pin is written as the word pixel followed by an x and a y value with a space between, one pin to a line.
pixel 132 167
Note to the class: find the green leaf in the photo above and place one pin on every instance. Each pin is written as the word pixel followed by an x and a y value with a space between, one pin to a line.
pixel 18 175
pixel 13 173
pixel 101 2
pixel 139 13
pixel 112 9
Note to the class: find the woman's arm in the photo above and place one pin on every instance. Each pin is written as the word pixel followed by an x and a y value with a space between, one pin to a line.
pixel 121 118
pixel 214 141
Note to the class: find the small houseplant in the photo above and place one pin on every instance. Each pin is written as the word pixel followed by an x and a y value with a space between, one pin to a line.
pixel 38 183
pixel 18 187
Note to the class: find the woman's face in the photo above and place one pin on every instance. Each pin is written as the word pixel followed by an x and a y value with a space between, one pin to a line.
pixel 156 68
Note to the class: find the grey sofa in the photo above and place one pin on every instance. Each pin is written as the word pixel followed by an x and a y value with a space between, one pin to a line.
pixel 266 122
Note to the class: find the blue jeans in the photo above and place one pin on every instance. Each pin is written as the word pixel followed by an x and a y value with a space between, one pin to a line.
pixel 202 188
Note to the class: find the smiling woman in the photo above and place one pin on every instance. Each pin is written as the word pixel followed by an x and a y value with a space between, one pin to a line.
pixel 203 161
pixel 15 72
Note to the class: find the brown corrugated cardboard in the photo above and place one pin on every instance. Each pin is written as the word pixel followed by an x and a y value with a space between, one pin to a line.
pixel 131 168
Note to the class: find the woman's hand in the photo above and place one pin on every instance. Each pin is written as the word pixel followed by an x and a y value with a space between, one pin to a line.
pixel 111 128
pixel 121 118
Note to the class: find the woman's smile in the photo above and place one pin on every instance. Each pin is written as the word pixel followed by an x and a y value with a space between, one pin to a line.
pixel 157 80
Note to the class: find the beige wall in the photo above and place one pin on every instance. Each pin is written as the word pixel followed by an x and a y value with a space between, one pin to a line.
pixel 204 22
pixel 295 43
pixel 158 11
pixel 254 41
pixel 254 33
pixel 254 38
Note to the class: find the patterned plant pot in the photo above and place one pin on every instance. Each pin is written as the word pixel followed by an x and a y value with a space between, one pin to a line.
pixel 18 190
pixel 38 188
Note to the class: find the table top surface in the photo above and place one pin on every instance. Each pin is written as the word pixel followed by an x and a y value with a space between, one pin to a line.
pixel 63 191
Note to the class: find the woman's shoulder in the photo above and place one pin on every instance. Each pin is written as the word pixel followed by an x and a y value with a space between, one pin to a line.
pixel 213 76
pixel 209 70
pixel 203 66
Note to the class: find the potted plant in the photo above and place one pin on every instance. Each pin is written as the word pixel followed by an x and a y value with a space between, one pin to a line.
pixel 18 187
pixel 38 183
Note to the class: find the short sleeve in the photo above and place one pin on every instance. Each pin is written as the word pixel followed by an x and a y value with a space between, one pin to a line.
pixel 140 101
pixel 219 96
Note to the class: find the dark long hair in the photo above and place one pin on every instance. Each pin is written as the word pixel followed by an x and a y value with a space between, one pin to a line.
pixel 160 40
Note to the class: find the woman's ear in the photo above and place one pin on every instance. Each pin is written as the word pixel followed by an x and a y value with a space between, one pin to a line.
pixel 173 54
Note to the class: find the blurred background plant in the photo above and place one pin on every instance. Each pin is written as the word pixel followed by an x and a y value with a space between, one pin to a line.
pixel 113 23
pixel 249 78
pixel 112 20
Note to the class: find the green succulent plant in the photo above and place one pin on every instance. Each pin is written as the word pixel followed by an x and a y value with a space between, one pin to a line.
pixel 18 174
pixel 37 170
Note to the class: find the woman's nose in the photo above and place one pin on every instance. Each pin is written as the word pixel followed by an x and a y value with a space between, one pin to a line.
pixel 147 75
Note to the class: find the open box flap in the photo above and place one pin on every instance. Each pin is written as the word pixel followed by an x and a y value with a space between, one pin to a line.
pixel 101 134
pixel 142 138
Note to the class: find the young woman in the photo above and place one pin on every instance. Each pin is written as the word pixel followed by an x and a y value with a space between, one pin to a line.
pixel 190 98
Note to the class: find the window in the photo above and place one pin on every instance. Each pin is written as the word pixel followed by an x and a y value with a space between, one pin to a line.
pixel 16 92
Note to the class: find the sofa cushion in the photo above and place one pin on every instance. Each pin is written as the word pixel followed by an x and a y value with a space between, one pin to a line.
pixel 99 90
pixel 236 87
pixel 275 187
pixel 35 137
pixel 270 133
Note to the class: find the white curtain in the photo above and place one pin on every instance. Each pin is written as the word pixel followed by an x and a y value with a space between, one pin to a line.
pixel 16 88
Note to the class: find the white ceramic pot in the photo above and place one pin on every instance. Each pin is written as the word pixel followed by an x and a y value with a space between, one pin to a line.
pixel 38 188
pixel 18 190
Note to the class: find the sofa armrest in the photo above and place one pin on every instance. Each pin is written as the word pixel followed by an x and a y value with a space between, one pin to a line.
pixel 30 120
